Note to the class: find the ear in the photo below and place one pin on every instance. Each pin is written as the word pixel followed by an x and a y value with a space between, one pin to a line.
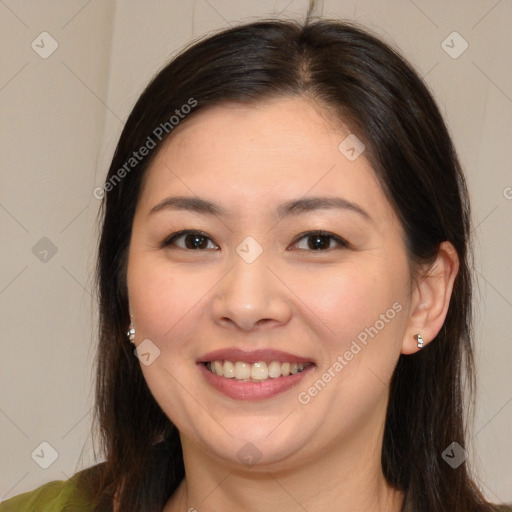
pixel 430 299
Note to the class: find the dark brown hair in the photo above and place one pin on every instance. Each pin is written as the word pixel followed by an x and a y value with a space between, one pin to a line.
pixel 367 85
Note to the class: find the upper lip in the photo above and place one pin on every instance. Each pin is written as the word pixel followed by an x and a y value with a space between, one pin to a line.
pixel 253 356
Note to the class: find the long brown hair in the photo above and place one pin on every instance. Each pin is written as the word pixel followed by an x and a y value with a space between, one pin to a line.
pixel 365 83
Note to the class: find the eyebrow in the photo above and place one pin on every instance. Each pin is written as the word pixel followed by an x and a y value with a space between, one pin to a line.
pixel 290 208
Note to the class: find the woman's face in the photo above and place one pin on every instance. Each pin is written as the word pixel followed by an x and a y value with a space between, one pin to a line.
pixel 254 289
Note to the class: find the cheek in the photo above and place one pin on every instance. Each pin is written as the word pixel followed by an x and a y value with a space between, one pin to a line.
pixel 348 301
pixel 163 298
pixel 363 314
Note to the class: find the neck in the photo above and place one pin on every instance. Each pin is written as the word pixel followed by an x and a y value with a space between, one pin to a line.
pixel 345 478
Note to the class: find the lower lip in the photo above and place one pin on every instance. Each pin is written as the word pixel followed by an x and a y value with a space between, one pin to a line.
pixel 242 390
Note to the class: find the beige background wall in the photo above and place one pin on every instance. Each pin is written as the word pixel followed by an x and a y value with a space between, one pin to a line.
pixel 60 117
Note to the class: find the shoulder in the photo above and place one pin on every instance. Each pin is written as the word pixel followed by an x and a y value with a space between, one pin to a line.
pixel 56 496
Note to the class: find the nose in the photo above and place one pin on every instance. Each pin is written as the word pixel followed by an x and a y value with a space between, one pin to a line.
pixel 250 297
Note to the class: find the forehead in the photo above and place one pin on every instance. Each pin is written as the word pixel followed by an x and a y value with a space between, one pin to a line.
pixel 254 155
pixel 292 123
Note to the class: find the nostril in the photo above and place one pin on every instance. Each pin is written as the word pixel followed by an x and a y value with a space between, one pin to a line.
pixel 263 321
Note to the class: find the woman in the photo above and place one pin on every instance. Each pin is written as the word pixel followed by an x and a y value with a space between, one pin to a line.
pixel 284 287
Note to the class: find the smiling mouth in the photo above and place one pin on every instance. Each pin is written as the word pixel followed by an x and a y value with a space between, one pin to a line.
pixel 254 372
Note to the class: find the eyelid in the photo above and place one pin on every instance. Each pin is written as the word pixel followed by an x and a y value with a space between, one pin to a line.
pixel 338 239
pixel 171 238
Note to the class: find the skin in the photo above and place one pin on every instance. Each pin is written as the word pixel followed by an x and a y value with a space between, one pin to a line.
pixel 323 455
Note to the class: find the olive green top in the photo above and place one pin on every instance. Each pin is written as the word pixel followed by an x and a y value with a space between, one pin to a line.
pixel 65 496
pixel 56 496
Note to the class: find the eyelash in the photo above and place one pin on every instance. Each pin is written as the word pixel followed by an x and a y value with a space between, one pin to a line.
pixel 340 241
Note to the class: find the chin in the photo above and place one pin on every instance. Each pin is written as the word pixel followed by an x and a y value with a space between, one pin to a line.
pixel 256 449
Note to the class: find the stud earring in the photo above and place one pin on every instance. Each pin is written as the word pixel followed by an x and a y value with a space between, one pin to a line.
pixel 420 339
pixel 131 331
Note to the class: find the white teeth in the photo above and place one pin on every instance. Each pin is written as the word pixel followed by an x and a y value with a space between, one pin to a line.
pixel 219 368
pixel 274 369
pixel 259 371
pixel 229 369
pixel 242 371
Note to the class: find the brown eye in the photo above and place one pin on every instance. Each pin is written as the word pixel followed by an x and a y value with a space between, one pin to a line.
pixel 189 240
pixel 320 241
